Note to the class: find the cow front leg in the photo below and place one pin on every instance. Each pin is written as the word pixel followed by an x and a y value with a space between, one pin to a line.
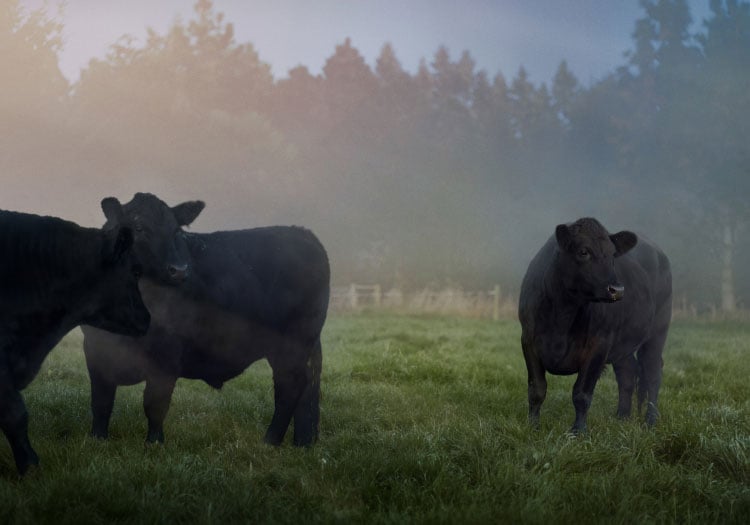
pixel 14 422
pixel 102 402
pixel 307 413
pixel 625 372
pixel 288 384
pixel 583 391
pixel 156 399
pixel 537 382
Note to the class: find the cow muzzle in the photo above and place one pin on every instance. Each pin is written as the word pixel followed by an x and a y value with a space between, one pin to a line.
pixel 615 292
pixel 177 272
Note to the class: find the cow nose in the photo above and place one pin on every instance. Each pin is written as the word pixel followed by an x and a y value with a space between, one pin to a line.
pixel 616 291
pixel 178 272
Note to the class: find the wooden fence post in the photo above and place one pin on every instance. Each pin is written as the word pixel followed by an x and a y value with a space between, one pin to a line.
pixel 377 294
pixel 353 296
pixel 496 303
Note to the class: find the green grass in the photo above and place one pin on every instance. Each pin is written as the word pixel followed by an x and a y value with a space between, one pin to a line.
pixel 423 421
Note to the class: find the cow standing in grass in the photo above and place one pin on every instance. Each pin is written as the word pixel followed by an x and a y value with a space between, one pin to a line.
pixel 55 275
pixel 249 294
pixel 591 298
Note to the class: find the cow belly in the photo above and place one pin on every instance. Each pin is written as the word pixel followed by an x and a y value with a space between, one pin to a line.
pixel 559 355
pixel 222 351
pixel 212 371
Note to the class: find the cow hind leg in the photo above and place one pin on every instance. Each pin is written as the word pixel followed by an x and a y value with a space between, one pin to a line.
pixel 307 413
pixel 290 380
pixel 537 382
pixel 102 403
pixel 650 365
pixel 625 372
pixel 156 399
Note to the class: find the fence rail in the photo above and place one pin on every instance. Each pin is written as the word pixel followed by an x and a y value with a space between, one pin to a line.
pixel 483 303
pixel 488 304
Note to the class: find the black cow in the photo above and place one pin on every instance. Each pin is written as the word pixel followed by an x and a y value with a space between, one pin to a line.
pixel 55 275
pixel 591 298
pixel 250 294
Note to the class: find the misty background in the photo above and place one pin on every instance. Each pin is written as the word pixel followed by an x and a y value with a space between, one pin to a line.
pixel 446 175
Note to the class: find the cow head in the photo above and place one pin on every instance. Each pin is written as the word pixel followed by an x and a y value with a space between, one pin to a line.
pixel 117 305
pixel 586 261
pixel 159 241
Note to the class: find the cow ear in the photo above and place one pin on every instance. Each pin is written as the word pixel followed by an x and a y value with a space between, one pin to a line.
pixel 186 212
pixel 563 236
pixel 112 209
pixel 120 246
pixel 624 241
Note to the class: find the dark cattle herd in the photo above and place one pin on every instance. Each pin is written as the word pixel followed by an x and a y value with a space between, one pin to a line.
pixel 157 303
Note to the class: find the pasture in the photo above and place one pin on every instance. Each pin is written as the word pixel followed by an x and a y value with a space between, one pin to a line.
pixel 423 421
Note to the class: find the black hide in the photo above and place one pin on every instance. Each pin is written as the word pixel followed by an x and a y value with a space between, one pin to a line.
pixel 589 298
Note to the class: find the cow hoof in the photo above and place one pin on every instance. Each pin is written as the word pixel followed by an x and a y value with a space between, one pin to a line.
pixel 28 465
pixel 155 439
pixel 304 442
pixel 272 440
pixel 577 431
pixel 30 471
pixel 101 436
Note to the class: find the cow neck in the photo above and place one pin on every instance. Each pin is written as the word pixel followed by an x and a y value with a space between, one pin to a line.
pixel 64 262
pixel 562 308
pixel 88 271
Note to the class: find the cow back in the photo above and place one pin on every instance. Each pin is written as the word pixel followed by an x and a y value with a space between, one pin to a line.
pixel 271 274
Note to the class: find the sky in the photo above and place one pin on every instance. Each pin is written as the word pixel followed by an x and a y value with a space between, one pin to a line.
pixel 501 35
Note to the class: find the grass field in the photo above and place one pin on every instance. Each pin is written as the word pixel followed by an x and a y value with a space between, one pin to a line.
pixel 423 421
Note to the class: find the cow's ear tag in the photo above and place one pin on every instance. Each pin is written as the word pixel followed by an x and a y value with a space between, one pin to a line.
pixel 624 241
pixel 563 236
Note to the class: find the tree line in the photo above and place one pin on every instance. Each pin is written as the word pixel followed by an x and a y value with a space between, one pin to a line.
pixel 447 174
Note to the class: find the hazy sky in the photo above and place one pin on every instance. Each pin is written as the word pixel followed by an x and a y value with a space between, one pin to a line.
pixel 501 35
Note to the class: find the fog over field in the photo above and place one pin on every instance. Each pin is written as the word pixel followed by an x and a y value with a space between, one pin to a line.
pixel 443 174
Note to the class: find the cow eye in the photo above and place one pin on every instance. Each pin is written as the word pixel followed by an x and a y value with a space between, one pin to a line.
pixel 137 270
pixel 583 254
pixel 138 227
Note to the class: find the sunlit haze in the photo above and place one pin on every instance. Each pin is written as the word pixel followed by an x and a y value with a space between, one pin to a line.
pixel 426 143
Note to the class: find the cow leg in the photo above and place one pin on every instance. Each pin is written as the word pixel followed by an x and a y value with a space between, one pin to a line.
pixel 14 422
pixel 307 413
pixel 102 402
pixel 625 372
pixel 583 390
pixel 156 399
pixel 650 365
pixel 289 382
pixel 537 382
